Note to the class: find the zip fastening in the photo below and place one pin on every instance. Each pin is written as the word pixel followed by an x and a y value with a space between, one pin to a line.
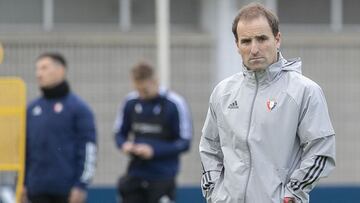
pixel 248 134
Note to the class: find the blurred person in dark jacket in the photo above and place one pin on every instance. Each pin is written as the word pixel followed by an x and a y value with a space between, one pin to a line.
pixel 61 138
pixel 153 127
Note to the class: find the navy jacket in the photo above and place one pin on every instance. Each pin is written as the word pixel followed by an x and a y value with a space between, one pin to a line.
pixel 61 145
pixel 164 123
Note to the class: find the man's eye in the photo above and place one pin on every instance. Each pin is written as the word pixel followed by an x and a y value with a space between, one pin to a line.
pixel 262 39
pixel 245 41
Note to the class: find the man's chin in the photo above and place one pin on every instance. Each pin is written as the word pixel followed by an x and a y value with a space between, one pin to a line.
pixel 47 86
pixel 256 68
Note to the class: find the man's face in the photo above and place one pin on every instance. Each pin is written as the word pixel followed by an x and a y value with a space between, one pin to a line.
pixel 49 73
pixel 256 43
pixel 147 88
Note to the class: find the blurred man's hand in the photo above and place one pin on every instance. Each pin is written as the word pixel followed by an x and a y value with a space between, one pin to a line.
pixel 289 200
pixel 144 151
pixel 127 147
pixel 24 198
pixel 77 195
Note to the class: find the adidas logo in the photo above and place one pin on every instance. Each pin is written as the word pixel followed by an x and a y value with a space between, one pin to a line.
pixel 233 105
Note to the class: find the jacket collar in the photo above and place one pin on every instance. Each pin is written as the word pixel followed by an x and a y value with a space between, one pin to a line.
pixel 266 76
pixel 58 91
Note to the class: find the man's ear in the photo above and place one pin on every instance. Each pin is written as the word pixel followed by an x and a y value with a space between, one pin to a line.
pixel 62 71
pixel 278 40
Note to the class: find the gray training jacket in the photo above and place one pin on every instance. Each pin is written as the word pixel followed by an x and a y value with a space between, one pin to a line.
pixel 267 136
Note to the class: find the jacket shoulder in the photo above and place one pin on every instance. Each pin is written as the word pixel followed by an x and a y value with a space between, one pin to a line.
pixel 176 101
pixel 33 103
pixel 175 98
pixel 130 99
pixel 77 103
pixel 226 86
pixel 300 86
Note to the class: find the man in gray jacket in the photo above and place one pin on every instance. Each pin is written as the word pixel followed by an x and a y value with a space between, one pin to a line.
pixel 267 136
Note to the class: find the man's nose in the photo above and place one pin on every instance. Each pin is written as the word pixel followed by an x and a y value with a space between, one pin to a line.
pixel 254 48
pixel 39 74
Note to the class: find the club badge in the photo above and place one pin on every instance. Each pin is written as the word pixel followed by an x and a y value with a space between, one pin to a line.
pixel 270 104
pixel 138 108
pixel 36 111
pixel 157 110
pixel 58 107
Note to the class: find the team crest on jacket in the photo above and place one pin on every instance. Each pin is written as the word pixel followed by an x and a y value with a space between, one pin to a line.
pixel 138 108
pixel 270 104
pixel 157 110
pixel 58 107
pixel 36 111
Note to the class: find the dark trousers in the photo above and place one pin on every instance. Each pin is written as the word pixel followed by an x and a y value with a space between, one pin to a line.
pixel 44 198
pixel 137 190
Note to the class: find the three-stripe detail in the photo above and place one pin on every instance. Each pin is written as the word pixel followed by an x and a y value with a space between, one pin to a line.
pixel 312 175
pixel 207 182
pixel 89 163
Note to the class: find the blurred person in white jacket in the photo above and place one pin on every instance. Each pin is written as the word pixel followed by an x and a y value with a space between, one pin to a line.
pixel 267 136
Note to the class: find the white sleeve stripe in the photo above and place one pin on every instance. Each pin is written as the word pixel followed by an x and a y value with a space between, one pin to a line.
pixel 90 163
pixel 184 115
pixel 119 117
pixel 118 121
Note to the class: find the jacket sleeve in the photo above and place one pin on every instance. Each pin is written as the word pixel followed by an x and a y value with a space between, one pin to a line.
pixel 210 153
pixel 164 149
pixel 86 146
pixel 182 129
pixel 122 124
pixel 317 139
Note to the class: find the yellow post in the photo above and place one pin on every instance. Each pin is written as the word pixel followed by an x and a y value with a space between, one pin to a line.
pixel 12 128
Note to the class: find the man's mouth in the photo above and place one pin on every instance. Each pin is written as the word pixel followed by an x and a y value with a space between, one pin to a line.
pixel 256 58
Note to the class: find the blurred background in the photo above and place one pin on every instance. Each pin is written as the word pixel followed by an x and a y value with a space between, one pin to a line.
pixel 103 39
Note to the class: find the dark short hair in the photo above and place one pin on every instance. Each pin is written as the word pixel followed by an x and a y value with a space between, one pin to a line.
pixel 253 11
pixel 57 57
pixel 142 71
